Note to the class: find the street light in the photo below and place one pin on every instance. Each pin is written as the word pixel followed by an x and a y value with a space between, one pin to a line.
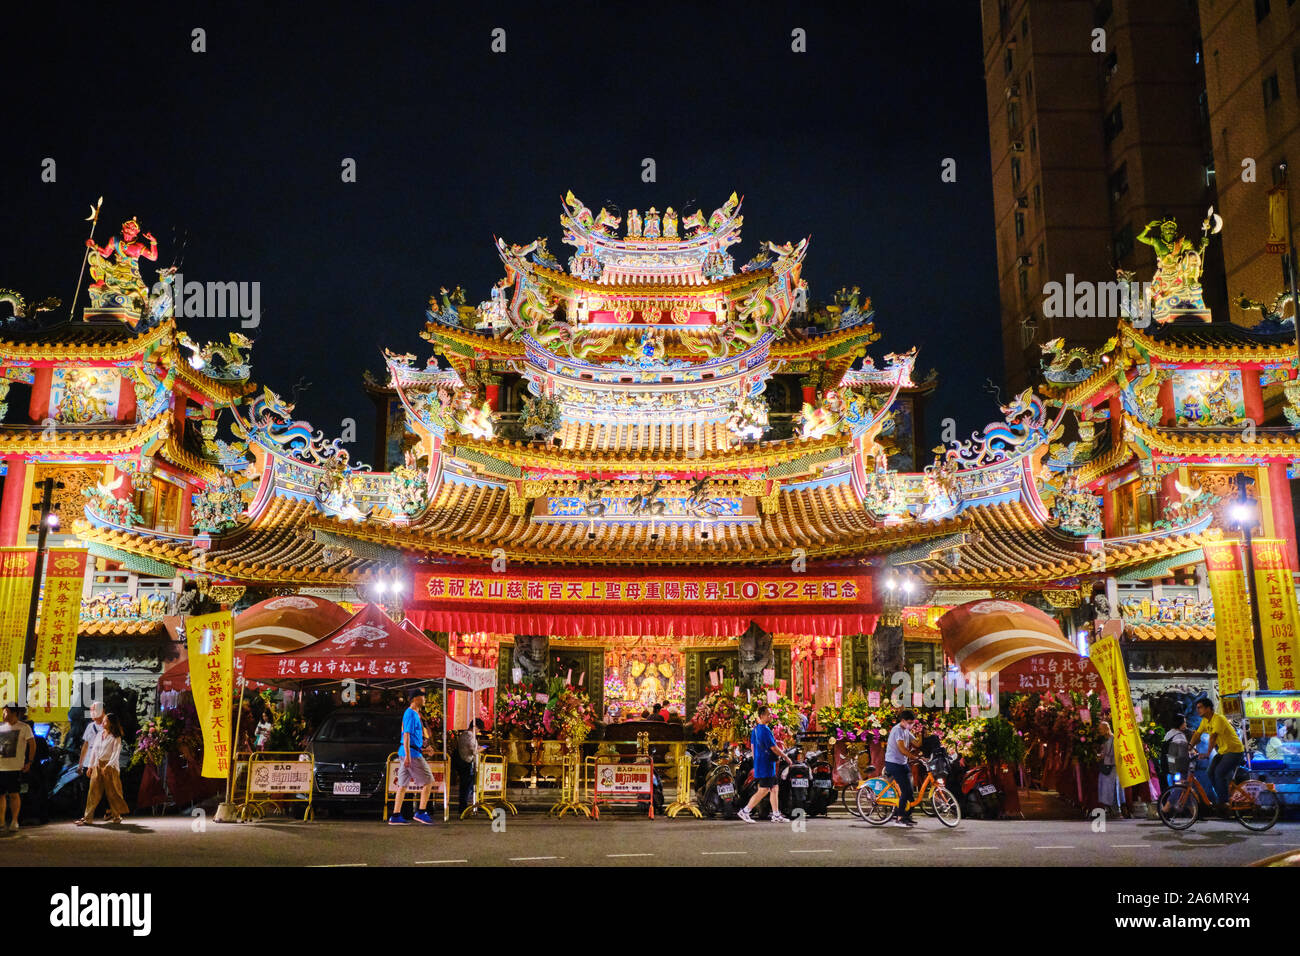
pixel 1243 514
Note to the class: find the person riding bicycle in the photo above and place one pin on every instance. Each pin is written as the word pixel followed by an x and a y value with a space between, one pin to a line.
pixel 901 748
pixel 1229 751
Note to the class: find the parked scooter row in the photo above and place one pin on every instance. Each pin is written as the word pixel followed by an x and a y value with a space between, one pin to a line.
pixel 724 784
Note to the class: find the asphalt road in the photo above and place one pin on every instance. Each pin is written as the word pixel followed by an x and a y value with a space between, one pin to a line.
pixel 534 840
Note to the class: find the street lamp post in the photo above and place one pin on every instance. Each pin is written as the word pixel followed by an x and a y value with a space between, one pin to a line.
pixel 1244 514
pixel 48 520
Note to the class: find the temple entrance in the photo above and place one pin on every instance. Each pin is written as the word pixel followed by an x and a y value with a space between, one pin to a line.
pixel 639 679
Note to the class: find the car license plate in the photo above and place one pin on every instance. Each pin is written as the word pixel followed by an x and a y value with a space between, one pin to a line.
pixel 799 782
pixel 823 784
pixel 347 788
pixel 726 790
pixel 986 789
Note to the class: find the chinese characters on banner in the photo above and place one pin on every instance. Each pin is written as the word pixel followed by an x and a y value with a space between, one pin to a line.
pixel 211 681
pixel 801 588
pixel 16 568
pixel 1233 635
pixel 1130 758
pixel 56 636
pixel 1279 618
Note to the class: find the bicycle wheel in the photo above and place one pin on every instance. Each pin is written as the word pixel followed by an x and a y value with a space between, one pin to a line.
pixel 927 805
pixel 1264 810
pixel 1178 807
pixel 849 797
pixel 874 805
pixel 944 805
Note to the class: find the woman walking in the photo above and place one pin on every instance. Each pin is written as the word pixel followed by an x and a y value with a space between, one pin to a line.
pixel 105 774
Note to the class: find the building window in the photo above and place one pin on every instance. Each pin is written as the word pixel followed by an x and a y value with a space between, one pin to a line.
pixel 1295 65
pixel 1122 244
pixel 1114 122
pixel 1042 258
pixel 1020 225
pixel 1271 90
pixel 1024 27
pixel 1261 10
pixel 1109 66
pixel 1103 13
pixel 1009 61
pixel 1119 182
pixel 1038 196
pixel 1029 83
pixel 1015 173
pixel 1013 117
pixel 1033 139
pixel 1024 284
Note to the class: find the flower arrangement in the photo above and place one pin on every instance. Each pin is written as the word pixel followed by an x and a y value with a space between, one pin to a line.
pixel 718 710
pixel 1153 736
pixel 518 712
pixel 734 714
pixel 996 741
pixel 157 738
pixel 857 720
pixel 568 714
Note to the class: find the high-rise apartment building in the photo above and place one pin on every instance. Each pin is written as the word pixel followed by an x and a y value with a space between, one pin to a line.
pixel 1098 124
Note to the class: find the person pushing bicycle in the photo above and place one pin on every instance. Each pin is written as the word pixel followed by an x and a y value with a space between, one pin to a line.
pixel 899 749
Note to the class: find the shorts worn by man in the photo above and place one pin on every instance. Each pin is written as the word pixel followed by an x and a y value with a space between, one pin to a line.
pixel 412 769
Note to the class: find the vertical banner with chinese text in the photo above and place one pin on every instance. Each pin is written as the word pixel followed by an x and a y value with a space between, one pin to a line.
pixel 1233 636
pixel 50 684
pixel 210 642
pixel 1279 617
pixel 17 565
pixel 1130 758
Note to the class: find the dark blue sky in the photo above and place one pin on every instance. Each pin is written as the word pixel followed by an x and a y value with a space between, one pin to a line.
pixel 239 149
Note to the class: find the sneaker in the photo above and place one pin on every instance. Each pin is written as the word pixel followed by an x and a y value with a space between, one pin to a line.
pixel 421 817
pixel 745 815
pixel 899 822
pixel 13 825
pixel 779 817
pixel 397 820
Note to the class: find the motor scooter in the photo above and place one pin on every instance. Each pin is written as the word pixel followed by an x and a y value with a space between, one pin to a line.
pixel 822 793
pixel 794 783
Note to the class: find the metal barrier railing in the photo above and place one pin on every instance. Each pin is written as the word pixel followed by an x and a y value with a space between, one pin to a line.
pixel 438 764
pixel 285 780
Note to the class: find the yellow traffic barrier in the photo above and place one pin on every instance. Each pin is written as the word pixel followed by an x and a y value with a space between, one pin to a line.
pixel 489 787
pixel 271 774
pixel 438 763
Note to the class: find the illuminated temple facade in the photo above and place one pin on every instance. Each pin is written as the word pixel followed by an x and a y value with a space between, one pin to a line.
pixel 647 464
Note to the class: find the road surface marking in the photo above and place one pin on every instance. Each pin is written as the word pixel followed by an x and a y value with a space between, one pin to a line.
pixel 975 848
pixel 1128 846
pixel 812 851
pixel 442 861
pixel 618 856
pixel 893 849
pixel 526 859
pixel 1053 848
pixel 1280 844
pixel 1200 846
pixel 326 865
pixel 724 853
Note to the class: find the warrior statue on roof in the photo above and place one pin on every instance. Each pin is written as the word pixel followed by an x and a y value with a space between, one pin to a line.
pixel 1176 287
pixel 118 283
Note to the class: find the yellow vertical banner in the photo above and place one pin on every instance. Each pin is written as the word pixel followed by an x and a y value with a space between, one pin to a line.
pixel 1130 758
pixel 210 642
pixel 51 682
pixel 1279 616
pixel 17 565
pixel 1233 635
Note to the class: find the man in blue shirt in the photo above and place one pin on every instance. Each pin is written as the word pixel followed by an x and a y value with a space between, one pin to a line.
pixel 413 770
pixel 766 754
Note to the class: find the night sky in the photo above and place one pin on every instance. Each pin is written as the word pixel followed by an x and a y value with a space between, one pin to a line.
pixel 237 151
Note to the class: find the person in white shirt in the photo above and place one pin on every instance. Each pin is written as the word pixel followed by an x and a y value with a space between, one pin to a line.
pixel 89 734
pixel 17 752
pixel 105 774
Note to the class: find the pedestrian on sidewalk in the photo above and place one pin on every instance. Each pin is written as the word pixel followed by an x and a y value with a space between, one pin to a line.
pixel 766 755
pixel 463 757
pixel 899 749
pixel 17 751
pixel 106 773
pixel 412 769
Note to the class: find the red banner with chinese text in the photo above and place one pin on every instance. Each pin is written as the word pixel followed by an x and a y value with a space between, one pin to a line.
pixel 210 643
pixel 16 568
pixel 1130 758
pixel 665 602
pixel 1233 639
pixel 1279 617
pixel 50 682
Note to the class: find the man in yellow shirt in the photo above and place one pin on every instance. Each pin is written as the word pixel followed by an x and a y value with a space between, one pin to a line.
pixel 1229 750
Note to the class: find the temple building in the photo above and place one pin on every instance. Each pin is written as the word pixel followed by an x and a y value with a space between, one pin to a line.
pixel 646 468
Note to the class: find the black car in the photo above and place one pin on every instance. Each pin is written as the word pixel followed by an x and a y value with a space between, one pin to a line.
pixel 351 749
